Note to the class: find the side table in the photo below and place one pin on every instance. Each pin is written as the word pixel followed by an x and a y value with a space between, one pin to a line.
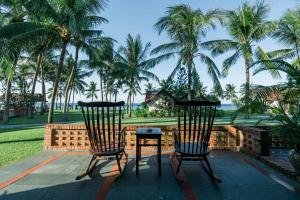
pixel 148 133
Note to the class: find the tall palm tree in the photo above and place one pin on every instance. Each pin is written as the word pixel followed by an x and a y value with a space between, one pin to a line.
pixel 247 26
pixel 187 28
pixel 230 92
pixel 92 90
pixel 84 35
pixel 78 84
pixel 12 13
pixel 149 87
pixel 60 17
pixel 134 64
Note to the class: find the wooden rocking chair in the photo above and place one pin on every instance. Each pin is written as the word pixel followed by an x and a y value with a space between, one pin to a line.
pixel 192 138
pixel 104 132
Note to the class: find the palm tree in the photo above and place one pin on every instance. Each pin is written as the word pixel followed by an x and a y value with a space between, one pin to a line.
pixel 62 16
pixel 13 12
pixel 78 84
pixel 84 36
pixel 247 26
pixel 149 87
pixel 102 59
pixel 187 28
pixel 48 65
pixel 134 66
pixel 230 92
pixel 91 91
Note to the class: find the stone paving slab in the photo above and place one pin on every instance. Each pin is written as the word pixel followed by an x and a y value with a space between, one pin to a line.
pixel 242 178
pixel 18 167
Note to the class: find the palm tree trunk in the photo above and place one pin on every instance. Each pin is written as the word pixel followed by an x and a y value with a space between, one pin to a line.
pixel 43 105
pixel 57 80
pixel 132 103
pixel 8 95
pixel 69 98
pixel 189 81
pixel 7 102
pixel 31 100
pixel 73 100
pixel 101 86
pixel 56 103
pixel 106 93
pixel 127 103
pixel 115 97
pixel 247 87
pixel 70 79
pixel 60 102
pixel 130 96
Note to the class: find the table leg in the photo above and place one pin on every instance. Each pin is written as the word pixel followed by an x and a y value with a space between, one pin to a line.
pixel 140 149
pixel 159 155
pixel 137 156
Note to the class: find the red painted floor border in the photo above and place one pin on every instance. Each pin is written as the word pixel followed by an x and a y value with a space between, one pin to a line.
pixel 272 176
pixel 106 185
pixel 29 171
pixel 183 181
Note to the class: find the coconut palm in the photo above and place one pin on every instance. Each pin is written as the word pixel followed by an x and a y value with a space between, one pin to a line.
pixel 149 87
pixel 134 64
pixel 84 35
pixel 60 17
pixel 103 60
pixel 247 26
pixel 13 12
pixel 230 93
pixel 78 84
pixel 92 90
pixel 187 28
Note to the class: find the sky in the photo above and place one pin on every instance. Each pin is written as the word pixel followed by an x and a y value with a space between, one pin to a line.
pixel 139 16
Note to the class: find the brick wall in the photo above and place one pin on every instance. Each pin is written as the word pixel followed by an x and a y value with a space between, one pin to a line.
pixel 74 137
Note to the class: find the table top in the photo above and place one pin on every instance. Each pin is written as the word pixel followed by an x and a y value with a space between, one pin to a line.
pixel 148 131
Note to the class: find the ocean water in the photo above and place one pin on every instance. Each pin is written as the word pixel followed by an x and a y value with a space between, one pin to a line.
pixel 136 105
pixel 222 107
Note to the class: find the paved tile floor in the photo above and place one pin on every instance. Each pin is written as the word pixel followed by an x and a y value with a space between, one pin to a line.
pixel 242 178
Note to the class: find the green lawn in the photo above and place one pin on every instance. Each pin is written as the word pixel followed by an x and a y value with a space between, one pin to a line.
pixel 74 116
pixel 16 144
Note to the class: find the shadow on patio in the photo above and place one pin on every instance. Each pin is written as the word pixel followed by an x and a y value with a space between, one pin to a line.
pixel 242 178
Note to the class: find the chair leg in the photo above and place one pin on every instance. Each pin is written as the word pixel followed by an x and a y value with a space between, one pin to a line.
pixel 90 167
pixel 173 155
pixel 179 164
pixel 211 174
pixel 122 171
pixel 119 165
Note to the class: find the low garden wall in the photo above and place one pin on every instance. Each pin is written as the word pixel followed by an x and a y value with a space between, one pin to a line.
pixel 248 139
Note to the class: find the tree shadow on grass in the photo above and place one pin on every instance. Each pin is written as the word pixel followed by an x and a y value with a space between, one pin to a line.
pixel 28 140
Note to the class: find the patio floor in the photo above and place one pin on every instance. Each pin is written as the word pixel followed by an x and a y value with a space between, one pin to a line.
pixel 51 175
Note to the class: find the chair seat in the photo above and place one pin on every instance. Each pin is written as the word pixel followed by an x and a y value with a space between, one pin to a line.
pixel 109 150
pixel 192 148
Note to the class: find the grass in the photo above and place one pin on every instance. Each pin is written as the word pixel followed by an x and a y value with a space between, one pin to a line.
pixel 19 143
pixel 74 116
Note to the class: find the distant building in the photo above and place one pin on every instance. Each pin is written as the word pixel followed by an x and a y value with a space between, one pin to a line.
pixel 152 99
pixel 18 109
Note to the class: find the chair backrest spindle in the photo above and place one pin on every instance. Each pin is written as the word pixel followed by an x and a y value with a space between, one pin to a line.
pixel 198 117
pixel 101 125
